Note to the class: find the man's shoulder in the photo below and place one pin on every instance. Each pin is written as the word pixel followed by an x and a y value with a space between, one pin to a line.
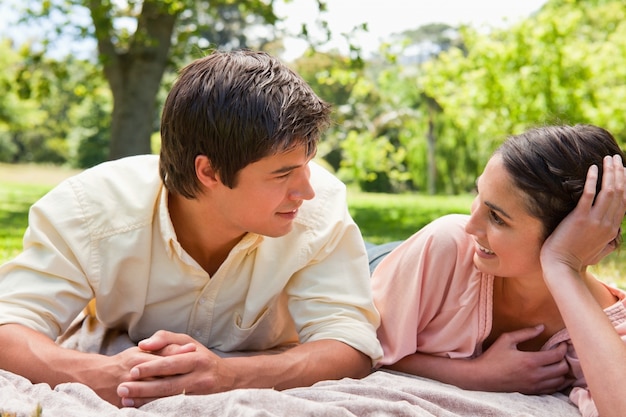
pixel 129 174
pixel 130 168
pixel 116 195
pixel 329 202
pixel 322 179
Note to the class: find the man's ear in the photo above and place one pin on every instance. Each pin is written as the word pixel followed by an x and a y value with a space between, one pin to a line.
pixel 205 172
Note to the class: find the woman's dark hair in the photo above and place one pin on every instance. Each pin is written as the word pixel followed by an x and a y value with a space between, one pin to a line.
pixel 236 108
pixel 549 164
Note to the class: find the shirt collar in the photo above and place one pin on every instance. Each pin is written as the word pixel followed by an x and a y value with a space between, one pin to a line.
pixel 248 243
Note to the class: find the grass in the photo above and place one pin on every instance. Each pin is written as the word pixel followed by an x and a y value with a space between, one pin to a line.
pixel 20 186
pixel 389 217
pixel 36 413
pixel 381 217
pixel 15 200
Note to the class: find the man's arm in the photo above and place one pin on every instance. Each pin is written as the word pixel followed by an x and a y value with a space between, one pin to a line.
pixel 33 355
pixel 203 372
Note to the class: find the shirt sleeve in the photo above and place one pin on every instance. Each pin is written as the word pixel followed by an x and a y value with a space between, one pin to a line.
pixel 330 297
pixel 44 287
pixel 427 293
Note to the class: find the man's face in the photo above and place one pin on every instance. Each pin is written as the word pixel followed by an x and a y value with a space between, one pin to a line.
pixel 267 194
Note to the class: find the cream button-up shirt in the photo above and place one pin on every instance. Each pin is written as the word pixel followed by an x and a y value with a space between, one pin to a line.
pixel 106 234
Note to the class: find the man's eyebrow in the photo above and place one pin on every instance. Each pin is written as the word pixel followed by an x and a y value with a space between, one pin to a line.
pixel 284 169
pixel 498 209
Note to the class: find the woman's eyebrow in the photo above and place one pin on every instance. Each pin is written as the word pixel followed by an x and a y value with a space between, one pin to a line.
pixel 498 209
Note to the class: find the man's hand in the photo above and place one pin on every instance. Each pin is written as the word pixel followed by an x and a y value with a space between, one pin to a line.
pixel 114 370
pixel 37 357
pixel 505 368
pixel 184 366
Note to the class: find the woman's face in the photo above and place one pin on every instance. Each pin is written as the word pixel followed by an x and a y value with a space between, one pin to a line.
pixel 508 239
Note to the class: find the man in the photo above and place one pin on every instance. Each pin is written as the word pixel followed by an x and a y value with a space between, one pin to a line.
pixel 227 249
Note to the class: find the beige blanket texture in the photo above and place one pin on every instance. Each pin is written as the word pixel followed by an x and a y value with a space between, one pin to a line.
pixel 382 393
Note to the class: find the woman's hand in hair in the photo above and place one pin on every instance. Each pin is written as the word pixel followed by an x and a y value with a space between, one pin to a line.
pixel 589 232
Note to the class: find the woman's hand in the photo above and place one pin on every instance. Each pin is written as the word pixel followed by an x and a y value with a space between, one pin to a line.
pixel 588 233
pixel 584 237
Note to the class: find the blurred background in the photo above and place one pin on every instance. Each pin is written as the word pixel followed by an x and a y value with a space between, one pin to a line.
pixel 422 91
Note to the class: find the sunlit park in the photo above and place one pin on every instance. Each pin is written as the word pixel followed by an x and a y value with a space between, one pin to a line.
pixel 422 94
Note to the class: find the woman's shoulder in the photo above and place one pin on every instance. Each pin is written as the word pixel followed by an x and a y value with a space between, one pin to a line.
pixel 451 222
pixel 442 242
pixel 448 229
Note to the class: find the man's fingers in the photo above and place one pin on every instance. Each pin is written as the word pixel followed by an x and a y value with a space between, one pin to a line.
pixel 162 338
pixel 170 350
pixel 165 366
pixel 137 402
pixel 149 389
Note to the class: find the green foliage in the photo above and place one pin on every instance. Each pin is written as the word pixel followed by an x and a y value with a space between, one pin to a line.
pixel 425 122
pixel 563 65
pixel 431 126
pixel 51 107
pixel 371 162
pixel 137 42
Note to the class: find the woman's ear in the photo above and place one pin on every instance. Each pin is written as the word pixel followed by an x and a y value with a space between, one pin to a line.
pixel 205 172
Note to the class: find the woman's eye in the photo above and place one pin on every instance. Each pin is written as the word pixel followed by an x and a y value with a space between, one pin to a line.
pixel 496 219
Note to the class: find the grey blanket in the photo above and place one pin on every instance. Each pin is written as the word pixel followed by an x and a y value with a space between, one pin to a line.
pixel 382 393
pixel 379 394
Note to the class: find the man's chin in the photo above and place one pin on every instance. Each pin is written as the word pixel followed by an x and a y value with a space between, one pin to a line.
pixel 278 232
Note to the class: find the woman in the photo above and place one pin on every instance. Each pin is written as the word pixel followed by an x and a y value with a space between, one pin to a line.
pixel 501 300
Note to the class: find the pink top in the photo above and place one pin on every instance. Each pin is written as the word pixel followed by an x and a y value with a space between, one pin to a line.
pixel 450 313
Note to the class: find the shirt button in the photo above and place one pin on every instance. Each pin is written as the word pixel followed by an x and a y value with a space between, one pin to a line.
pixel 202 300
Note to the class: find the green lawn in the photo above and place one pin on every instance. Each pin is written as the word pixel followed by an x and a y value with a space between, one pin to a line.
pixel 15 199
pixel 388 217
pixel 381 217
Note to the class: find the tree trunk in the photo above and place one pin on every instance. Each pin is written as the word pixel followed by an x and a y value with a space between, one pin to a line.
pixel 134 101
pixel 134 74
pixel 433 108
pixel 432 162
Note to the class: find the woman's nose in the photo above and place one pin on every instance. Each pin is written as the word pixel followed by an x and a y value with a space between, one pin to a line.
pixel 472 226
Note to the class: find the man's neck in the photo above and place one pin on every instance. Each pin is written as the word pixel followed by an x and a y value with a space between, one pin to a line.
pixel 200 232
